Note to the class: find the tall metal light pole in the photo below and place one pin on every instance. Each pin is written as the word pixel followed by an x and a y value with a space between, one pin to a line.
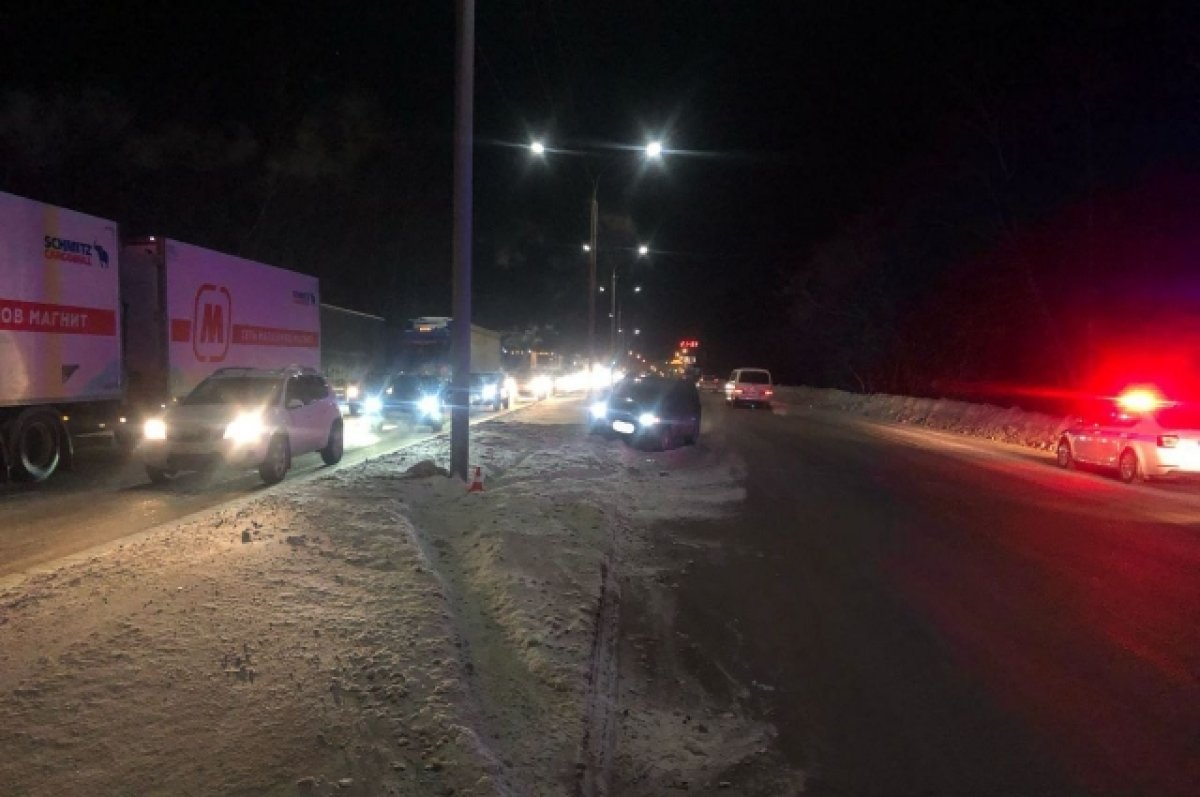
pixel 595 224
pixel 653 151
pixel 460 420
pixel 613 321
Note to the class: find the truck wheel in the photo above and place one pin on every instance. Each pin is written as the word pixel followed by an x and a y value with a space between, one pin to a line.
pixel 35 439
pixel 331 454
pixel 160 475
pixel 279 459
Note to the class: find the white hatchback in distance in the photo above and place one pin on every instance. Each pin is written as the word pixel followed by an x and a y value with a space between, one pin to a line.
pixel 246 417
pixel 1139 435
pixel 749 386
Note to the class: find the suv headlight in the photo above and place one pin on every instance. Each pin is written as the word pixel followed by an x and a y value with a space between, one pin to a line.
pixel 155 429
pixel 489 392
pixel 352 391
pixel 428 405
pixel 246 428
pixel 373 405
pixel 648 419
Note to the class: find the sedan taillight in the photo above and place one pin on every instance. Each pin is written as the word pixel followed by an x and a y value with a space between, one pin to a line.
pixel 1168 441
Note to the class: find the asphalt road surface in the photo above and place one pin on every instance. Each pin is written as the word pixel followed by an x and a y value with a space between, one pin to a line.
pixel 926 614
pixel 107 496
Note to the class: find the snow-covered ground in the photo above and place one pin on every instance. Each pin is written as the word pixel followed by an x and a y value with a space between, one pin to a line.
pixel 1006 424
pixel 374 630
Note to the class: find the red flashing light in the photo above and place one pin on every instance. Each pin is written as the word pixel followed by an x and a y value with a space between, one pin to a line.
pixel 1140 400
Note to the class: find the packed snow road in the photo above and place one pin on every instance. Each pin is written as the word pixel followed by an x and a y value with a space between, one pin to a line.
pixel 923 613
pixel 108 496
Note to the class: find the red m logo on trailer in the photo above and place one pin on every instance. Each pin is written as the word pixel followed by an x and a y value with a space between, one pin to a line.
pixel 212 323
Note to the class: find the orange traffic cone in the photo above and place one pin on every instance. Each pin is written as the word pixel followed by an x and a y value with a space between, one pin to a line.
pixel 476 485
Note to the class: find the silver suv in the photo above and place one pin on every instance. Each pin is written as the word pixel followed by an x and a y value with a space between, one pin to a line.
pixel 246 417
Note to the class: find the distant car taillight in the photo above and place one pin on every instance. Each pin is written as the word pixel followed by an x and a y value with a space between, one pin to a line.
pixel 1168 441
pixel 769 392
pixel 737 391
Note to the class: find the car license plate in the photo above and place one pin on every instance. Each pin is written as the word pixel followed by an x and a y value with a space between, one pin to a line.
pixel 624 427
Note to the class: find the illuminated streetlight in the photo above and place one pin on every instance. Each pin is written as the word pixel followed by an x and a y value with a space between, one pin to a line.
pixel 602 289
pixel 637 288
pixel 643 250
pixel 587 247
pixel 654 150
pixel 637 331
pixel 537 148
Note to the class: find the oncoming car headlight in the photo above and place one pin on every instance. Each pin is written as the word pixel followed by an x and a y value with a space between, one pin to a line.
pixel 155 429
pixel 489 392
pixel 373 405
pixel 428 405
pixel 599 410
pixel 352 391
pixel 648 419
pixel 246 428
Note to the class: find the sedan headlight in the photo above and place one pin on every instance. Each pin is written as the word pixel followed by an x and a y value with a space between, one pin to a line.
pixel 246 428
pixel 428 405
pixel 155 429
pixel 600 410
pixel 352 391
pixel 489 392
pixel 648 419
pixel 373 405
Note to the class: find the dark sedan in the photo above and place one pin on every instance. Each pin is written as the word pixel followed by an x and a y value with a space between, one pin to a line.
pixel 650 411
pixel 419 400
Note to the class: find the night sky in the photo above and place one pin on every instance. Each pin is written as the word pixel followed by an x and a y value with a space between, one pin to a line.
pixel 872 195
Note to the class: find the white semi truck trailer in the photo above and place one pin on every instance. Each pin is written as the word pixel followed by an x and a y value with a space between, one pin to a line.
pixel 94 336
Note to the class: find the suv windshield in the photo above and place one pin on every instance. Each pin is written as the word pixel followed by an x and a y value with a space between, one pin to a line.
pixel 641 390
pixel 235 390
pixel 407 386
pixel 755 377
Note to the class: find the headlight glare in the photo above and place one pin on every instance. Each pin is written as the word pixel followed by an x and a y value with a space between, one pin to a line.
pixel 373 405
pixel 648 419
pixel 489 392
pixel 600 410
pixel 245 428
pixel 155 429
pixel 352 391
pixel 428 405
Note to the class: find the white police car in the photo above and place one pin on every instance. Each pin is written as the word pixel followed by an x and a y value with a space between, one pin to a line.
pixel 1139 434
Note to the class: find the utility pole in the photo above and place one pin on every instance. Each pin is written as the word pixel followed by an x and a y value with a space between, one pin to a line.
pixel 612 317
pixel 460 420
pixel 595 222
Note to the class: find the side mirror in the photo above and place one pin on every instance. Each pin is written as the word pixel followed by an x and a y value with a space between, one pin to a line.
pixel 294 404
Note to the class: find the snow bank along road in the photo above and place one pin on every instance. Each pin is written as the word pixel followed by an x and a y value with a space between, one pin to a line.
pixel 108 497
pixel 371 630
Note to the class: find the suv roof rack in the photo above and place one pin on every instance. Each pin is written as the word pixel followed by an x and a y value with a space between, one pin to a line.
pixel 241 370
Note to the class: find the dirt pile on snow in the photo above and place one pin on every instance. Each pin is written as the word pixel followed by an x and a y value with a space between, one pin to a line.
pixel 425 469
pixel 1009 425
